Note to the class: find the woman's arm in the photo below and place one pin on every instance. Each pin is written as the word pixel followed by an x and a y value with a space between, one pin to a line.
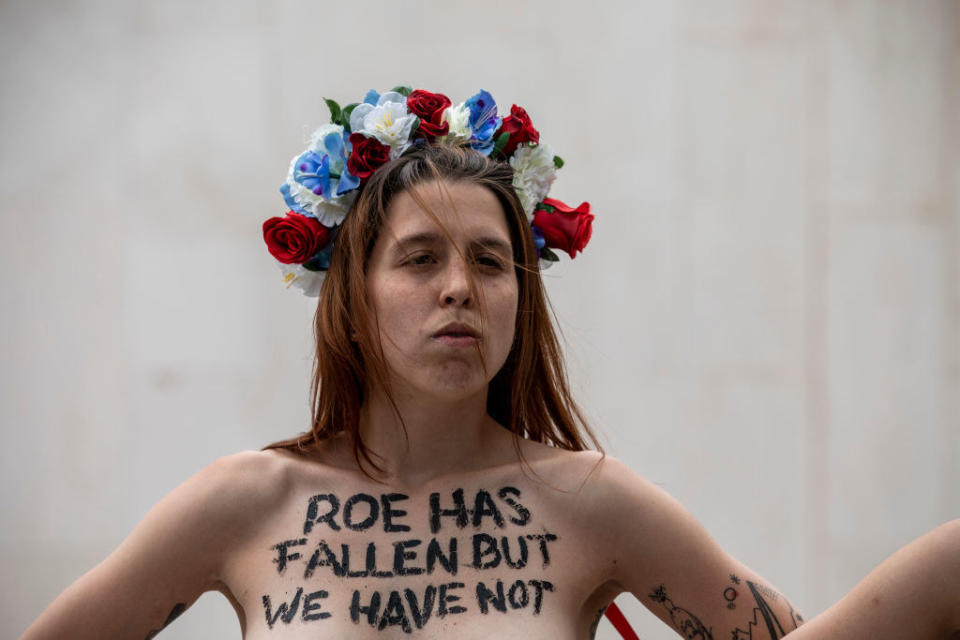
pixel 915 593
pixel 172 556
pixel 668 561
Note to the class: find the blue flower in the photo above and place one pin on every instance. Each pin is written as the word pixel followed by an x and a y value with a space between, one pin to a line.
pixel 484 121
pixel 313 172
pixel 347 182
pixel 332 145
pixel 538 238
pixel 291 201
pixel 317 178
pixel 328 140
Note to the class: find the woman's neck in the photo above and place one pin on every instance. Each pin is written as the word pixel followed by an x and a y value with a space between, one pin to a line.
pixel 416 440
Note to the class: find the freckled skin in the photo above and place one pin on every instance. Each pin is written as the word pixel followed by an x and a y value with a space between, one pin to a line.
pixel 416 290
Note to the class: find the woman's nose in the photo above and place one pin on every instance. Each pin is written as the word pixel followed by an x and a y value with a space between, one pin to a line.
pixel 456 289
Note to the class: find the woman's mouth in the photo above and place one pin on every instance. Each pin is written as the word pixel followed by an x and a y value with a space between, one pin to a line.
pixel 456 339
pixel 457 334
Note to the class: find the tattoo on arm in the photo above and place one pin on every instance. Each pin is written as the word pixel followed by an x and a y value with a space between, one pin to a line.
pixel 179 608
pixel 763 625
pixel 685 622
pixel 764 618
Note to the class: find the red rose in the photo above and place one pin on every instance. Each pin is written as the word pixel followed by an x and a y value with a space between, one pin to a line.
pixel 564 228
pixel 294 239
pixel 429 107
pixel 518 125
pixel 367 156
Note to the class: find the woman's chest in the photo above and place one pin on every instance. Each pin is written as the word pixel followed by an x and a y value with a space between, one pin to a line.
pixel 457 561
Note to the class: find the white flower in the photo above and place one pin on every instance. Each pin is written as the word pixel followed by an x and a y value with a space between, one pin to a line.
pixel 318 136
pixel 329 211
pixel 533 174
pixel 294 275
pixel 389 122
pixel 392 96
pixel 458 118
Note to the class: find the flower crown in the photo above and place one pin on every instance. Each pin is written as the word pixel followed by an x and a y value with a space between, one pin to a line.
pixel 324 180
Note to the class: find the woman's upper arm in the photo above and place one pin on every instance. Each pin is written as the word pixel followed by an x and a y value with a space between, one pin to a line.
pixel 171 557
pixel 670 563
pixel 915 593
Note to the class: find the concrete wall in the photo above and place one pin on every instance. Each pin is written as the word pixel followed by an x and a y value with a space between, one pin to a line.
pixel 766 323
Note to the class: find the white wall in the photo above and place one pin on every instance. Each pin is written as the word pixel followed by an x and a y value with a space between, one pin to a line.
pixel 766 323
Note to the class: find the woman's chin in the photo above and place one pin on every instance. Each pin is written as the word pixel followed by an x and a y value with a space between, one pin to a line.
pixel 456 391
pixel 451 380
pixel 454 384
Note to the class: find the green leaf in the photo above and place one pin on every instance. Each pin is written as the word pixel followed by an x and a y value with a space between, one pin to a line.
pixel 414 127
pixel 546 207
pixel 558 162
pixel 550 256
pixel 334 110
pixel 501 142
pixel 345 115
pixel 403 90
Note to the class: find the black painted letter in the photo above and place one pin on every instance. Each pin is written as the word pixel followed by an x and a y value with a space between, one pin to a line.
pixel 480 539
pixel 284 612
pixel 389 513
pixel 459 510
pixel 309 606
pixel 313 507
pixel 372 504
pixel 372 611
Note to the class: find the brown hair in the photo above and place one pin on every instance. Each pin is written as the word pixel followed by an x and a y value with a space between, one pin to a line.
pixel 529 396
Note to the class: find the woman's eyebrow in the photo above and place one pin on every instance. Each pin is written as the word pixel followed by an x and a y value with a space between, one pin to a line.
pixel 493 243
pixel 433 238
pixel 408 242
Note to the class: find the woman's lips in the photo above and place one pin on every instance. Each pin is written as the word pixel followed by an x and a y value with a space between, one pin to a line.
pixel 457 334
pixel 456 340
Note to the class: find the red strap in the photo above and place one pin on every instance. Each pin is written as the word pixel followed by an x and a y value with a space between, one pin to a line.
pixel 615 616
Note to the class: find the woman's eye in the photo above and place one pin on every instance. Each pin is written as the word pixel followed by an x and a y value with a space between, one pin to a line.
pixel 419 260
pixel 490 262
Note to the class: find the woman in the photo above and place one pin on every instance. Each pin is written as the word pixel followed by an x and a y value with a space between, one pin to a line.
pixel 445 488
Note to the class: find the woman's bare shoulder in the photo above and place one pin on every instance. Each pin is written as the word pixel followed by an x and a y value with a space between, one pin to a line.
pixel 588 472
pixel 236 485
pixel 249 473
pixel 261 476
pixel 255 466
pixel 610 492
pixel 595 466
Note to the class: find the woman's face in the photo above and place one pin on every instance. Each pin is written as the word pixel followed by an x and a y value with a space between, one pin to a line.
pixel 432 325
